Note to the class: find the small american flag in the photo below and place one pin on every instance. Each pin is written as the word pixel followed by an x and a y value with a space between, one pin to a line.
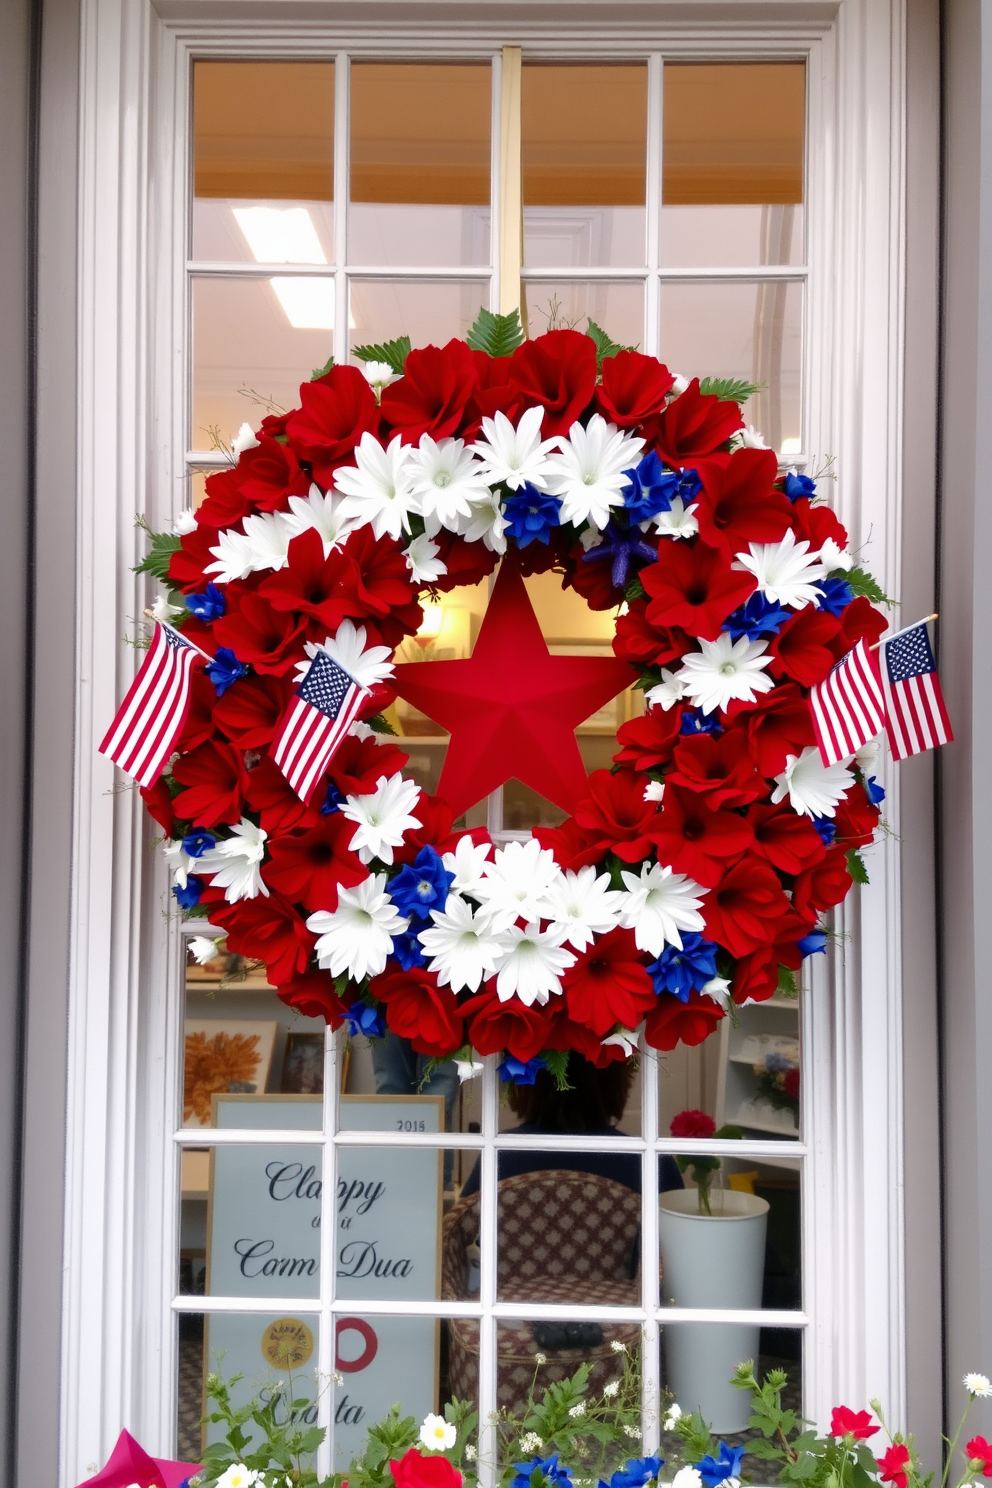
pixel 151 717
pixel 848 707
pixel 327 703
pixel 916 718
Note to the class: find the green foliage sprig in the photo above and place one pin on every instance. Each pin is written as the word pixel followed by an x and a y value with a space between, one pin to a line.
pixel 496 335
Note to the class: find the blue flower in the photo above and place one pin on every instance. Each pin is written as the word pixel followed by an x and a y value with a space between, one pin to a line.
pixel 775 1064
pixel 826 828
pixel 622 547
pixel 837 595
pixel 418 889
pixel 531 514
pixel 547 1466
pixel 795 485
pixel 333 801
pixel 635 1473
pixel 361 1018
pixel 686 970
pixel 649 489
pixel 759 616
pixel 224 670
pixel 408 951
pixel 190 895
pixel 716 1471
pixel 812 943
pixel 208 606
pixel 197 843
pixel 696 722
pixel 876 792
pixel 521 1074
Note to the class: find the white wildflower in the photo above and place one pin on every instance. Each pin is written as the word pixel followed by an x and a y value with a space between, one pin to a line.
pixel 470 1453
pixel 666 693
pixel 531 964
pixel 617 1346
pixel 466 863
pixel 238 1476
pixel 530 1441
pixel 515 884
pixel 244 440
pixel 786 571
pixel 978 1385
pixel 577 1411
pixel 654 791
pixel 422 560
pixel 356 938
pixel 673 1414
pixel 184 523
pixel 540 1359
pixel 437 1434
pixel 632 1431
pixel 202 948
pixel 813 788
pixel 326 514
pixel 378 487
pixel 658 905
pixel 625 1039
pixel 463 949
pixel 588 472
pixel 382 817
pixel 613 1388
pixel 447 479
pixel 725 670
pixel 517 456
pixel 236 862
pixel 582 905
pixel 678 521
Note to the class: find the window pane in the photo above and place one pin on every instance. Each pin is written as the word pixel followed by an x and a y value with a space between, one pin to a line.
pixel 696 1372
pixel 254 342
pixel 733 152
pixel 750 331
pixel 263 137
pixel 420 163
pixel 583 156
pixel 610 1349
pixel 618 308
pixel 429 313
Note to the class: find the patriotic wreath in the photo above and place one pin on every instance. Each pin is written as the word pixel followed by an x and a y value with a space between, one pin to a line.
pixel 694 872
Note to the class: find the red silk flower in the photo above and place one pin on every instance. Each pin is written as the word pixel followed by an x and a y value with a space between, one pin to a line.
pixel 249 713
pixel 739 503
pixel 672 1021
pixel 643 644
pixel 225 502
pixel 718 767
pixel 694 587
pixel 494 1026
pixel 215 779
pixel 269 639
pixel 336 411
pixel 609 984
pixel 649 741
pixel 743 911
pixel 313 995
pixel 309 867
pixel 421 1011
pixel 311 584
pixel 692 1123
pixel 268 474
pixel 265 929
pixel 779 724
pixel 755 976
pixel 802 650
pixel 557 371
pixel 695 839
pixel 633 388
pixel 433 394
pixel 693 424
pixel 856 1424
pixel 788 841
pixel 615 816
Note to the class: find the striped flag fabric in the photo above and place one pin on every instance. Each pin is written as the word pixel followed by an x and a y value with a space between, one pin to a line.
pixel 327 704
pixel 915 715
pixel 848 706
pixel 151 717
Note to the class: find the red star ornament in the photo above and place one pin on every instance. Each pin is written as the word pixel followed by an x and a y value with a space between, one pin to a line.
pixel 512 708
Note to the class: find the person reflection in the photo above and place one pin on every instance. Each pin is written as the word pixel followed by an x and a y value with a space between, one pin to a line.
pixel 592 1107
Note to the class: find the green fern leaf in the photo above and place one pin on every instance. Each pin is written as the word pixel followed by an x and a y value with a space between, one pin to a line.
pixel 496 335
pixel 862 583
pixel 394 353
pixel 605 345
pixel 730 389
pixel 856 867
pixel 322 371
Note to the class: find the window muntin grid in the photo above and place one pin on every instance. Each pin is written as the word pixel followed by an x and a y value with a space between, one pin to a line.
pixel 651 281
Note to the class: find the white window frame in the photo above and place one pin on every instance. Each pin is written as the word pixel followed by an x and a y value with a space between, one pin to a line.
pixel 122 1164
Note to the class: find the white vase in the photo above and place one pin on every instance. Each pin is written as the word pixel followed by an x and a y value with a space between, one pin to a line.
pixel 711 1260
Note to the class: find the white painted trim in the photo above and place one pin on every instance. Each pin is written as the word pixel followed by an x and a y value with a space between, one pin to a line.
pixel 118 1364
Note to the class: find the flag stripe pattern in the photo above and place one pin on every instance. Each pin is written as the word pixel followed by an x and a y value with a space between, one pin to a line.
pixel 916 718
pixel 848 706
pixel 151 717
pixel 325 707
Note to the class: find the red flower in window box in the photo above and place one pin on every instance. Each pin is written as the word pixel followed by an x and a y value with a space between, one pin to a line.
pixel 414 1470
pixel 856 1424
pixel 893 1464
pixel 979 1451
pixel 419 1010
pixel 609 984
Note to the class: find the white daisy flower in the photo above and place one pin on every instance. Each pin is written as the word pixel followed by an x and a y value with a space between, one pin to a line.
pixel 356 938
pixel 460 942
pixel 422 560
pixel 180 862
pixel 978 1385
pixel 723 670
pixel 238 1476
pixel 654 790
pixel 382 817
pixel 437 1434
pixel 365 664
pixel 466 864
pixel 625 1039
pixel 667 693
pixel 747 438
pixel 658 905
pixel 813 788
pixel 264 543
pixel 582 906
pixel 468 1069
pixel 327 514
pixel 678 521
pixel 202 949
pixel 485 523
pixel 234 557
pixel 531 964
pixel 515 884
pixel 515 456
pixel 447 479
pixel 377 374
pixel 236 862
pixel 832 557
pixel 786 571
pixel 184 523
pixel 588 471
pixel 378 487
pixel 244 440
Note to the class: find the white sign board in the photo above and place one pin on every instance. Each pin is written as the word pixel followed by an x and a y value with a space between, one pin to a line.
pixel 263 1239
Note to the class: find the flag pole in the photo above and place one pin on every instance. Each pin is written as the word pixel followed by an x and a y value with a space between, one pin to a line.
pixel 185 639
pixel 886 639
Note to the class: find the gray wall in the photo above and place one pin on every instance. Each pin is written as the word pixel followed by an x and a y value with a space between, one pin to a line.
pixel 966 668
